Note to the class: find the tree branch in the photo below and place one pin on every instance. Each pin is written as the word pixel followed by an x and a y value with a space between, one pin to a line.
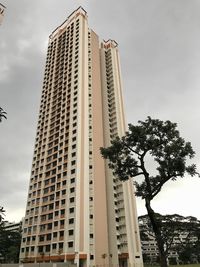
pixel 159 186
pixel 131 148
pixel 139 173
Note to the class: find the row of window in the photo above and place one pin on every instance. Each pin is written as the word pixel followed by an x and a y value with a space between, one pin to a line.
pixel 47 248
pixel 34 184
pixel 90 133
pixel 47 226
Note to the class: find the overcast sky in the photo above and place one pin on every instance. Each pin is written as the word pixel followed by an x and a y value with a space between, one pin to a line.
pixel 159 42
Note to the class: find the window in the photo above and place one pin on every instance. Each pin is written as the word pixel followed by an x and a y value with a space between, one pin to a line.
pixel 71 220
pixel 41 238
pixel 62 212
pixel 71 210
pixel 72 180
pixel 53 180
pixel 73 154
pixel 60 245
pixel 54 246
pixel 49 237
pixel 71 199
pixel 73 171
pixel 64 192
pixel 63 201
pixel 40 249
pixel 62 222
pixel 61 233
pixel 55 234
pixel 49 226
pixel 50 216
pixel 71 232
pixel 51 206
pixel 70 244
pixel 72 190
pixel 48 248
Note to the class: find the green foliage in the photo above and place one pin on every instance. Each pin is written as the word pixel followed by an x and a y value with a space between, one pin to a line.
pixel 180 234
pixel 2 114
pixel 191 251
pixel 162 141
pixel 10 241
pixel 9 245
pixel 1 214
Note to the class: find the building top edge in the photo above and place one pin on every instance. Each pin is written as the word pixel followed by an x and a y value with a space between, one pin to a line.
pixel 80 10
pixel 109 43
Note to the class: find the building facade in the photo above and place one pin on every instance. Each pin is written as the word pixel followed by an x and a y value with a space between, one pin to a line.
pixel 13 226
pixel 76 210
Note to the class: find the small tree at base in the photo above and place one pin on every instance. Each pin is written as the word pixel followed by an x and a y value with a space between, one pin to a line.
pixel 180 235
pixel 10 241
pixel 162 141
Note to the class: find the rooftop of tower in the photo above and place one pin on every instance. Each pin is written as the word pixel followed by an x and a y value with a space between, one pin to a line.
pixel 80 11
pixel 109 43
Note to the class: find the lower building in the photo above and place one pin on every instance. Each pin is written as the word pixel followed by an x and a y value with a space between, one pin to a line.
pixel 181 239
pixel 13 226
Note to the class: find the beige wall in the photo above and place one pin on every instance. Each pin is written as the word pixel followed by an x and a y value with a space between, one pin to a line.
pixel 100 211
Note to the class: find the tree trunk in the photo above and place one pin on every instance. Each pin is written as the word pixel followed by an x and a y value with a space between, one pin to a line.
pixel 157 232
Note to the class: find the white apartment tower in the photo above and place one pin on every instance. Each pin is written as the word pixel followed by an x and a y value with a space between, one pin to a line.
pixel 77 212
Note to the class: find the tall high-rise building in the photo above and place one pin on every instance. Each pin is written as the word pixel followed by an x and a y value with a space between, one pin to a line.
pixel 76 210
pixel 2 11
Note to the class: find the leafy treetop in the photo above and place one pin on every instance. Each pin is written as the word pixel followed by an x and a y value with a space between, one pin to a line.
pixel 159 139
